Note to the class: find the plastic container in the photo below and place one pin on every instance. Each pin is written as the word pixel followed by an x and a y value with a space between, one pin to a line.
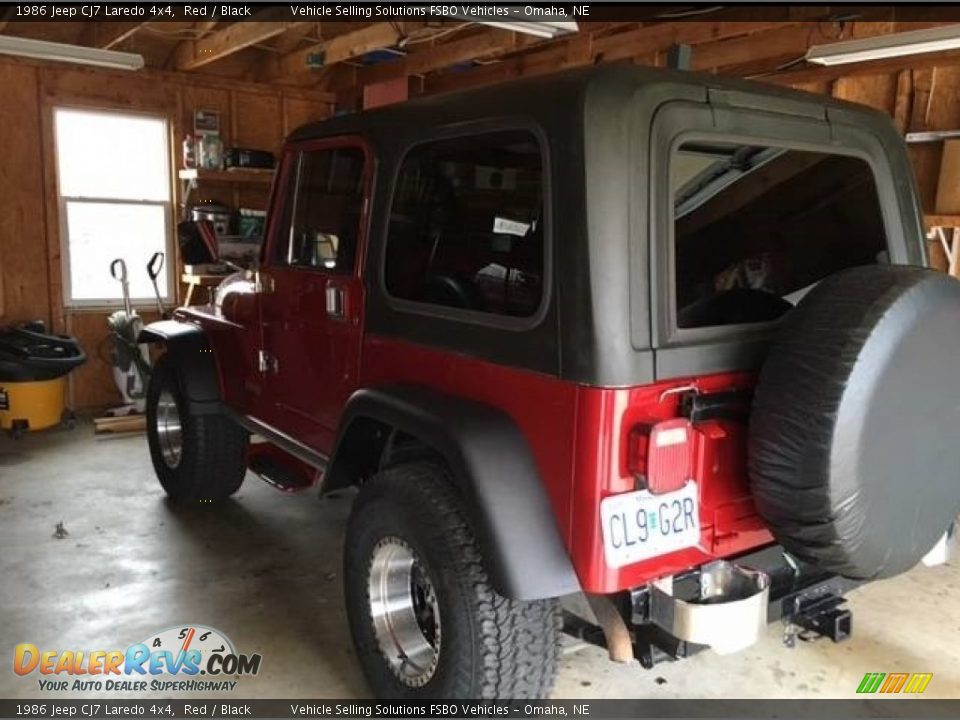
pixel 33 377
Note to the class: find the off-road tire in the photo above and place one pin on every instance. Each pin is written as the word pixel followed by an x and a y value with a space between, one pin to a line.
pixel 492 647
pixel 212 463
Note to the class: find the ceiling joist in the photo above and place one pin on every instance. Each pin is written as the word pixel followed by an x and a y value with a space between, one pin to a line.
pixel 291 40
pixel 447 56
pixel 116 33
pixel 5 15
pixel 638 44
pixel 232 39
pixel 342 48
pixel 481 46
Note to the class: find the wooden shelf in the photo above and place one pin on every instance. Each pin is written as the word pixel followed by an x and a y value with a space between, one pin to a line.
pixel 932 221
pixel 223 177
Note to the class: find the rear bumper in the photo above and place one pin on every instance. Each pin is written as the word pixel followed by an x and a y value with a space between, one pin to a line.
pixel 794 586
pixel 725 605
pixel 808 601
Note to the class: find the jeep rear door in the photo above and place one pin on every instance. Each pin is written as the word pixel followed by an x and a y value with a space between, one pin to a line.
pixel 311 298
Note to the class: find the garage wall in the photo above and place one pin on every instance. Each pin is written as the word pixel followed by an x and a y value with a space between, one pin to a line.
pixel 253 115
pixel 921 99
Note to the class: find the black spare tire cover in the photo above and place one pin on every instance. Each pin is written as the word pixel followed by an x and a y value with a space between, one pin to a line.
pixel 855 427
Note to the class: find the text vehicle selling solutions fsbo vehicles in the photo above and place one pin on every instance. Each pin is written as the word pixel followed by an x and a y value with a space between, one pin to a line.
pixel 663 339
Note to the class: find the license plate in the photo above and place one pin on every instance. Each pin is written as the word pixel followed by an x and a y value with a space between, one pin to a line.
pixel 640 525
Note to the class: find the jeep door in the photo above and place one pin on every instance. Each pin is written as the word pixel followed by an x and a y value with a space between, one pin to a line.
pixel 311 294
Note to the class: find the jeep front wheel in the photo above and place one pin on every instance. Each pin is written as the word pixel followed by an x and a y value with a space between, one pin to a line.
pixel 425 620
pixel 197 458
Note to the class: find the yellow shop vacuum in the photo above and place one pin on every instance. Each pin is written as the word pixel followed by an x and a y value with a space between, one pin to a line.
pixel 33 378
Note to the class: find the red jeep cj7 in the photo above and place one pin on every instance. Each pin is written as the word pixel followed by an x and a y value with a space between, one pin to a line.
pixel 664 339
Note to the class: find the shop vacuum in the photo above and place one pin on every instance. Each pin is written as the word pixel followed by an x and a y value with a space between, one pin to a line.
pixel 33 378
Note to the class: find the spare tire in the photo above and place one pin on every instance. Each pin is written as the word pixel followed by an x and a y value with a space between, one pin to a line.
pixel 855 425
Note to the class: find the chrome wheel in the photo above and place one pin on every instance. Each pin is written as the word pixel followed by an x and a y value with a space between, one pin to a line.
pixel 406 617
pixel 169 430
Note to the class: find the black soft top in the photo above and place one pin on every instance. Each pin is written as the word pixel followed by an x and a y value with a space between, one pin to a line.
pixel 562 92
pixel 606 133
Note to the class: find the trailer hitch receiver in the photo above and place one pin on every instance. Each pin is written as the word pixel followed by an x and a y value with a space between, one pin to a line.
pixel 821 617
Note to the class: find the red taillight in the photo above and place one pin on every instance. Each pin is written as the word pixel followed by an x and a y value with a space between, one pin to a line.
pixel 661 455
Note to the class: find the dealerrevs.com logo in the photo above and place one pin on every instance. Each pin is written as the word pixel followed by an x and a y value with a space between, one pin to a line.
pixel 185 658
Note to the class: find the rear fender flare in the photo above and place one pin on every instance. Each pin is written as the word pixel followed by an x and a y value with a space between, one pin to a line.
pixel 492 467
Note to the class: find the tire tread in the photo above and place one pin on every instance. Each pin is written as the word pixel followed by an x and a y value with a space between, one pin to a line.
pixel 517 642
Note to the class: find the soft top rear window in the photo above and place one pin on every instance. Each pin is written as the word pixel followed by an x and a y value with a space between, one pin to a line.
pixel 756 227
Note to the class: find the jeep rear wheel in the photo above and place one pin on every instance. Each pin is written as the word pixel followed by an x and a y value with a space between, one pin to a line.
pixel 426 623
pixel 197 458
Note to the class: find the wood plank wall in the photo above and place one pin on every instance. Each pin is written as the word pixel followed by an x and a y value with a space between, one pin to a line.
pixel 253 115
pixel 918 100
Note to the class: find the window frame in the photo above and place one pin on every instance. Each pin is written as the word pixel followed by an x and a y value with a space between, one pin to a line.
pixel 462 131
pixel 771 130
pixel 291 162
pixel 170 254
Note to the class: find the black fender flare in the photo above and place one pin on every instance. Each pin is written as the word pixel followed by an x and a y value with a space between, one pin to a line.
pixel 491 465
pixel 189 348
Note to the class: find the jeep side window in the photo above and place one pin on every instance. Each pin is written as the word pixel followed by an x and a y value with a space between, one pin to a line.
pixel 756 227
pixel 323 205
pixel 466 225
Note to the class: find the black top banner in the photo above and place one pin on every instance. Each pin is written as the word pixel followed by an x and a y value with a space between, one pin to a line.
pixel 159 12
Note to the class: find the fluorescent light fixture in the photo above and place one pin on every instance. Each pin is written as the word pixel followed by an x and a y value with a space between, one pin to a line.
pixel 540 28
pixel 913 42
pixel 58 52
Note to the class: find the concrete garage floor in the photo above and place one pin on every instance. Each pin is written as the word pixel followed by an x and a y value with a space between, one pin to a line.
pixel 264 569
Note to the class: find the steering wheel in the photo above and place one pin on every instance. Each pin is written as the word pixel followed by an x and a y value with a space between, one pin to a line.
pixel 452 292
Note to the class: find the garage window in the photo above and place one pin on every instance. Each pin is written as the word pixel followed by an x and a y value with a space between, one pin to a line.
pixel 466 225
pixel 756 227
pixel 113 172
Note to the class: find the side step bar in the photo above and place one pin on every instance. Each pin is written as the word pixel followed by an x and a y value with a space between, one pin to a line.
pixel 281 440
pixel 288 475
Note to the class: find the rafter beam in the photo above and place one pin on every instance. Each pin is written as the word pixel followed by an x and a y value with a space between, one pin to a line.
pixel 233 38
pixel 110 35
pixel 343 47
pixel 488 43
pixel 643 44
pixel 290 40
pixel 203 28
pixel 5 15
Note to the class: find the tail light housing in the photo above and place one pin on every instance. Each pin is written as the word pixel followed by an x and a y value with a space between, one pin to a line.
pixel 660 455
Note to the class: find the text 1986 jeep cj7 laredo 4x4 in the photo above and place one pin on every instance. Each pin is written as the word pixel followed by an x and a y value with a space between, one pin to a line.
pixel 662 338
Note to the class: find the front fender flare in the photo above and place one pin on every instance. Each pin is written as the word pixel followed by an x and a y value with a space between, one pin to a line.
pixel 493 468
pixel 188 347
